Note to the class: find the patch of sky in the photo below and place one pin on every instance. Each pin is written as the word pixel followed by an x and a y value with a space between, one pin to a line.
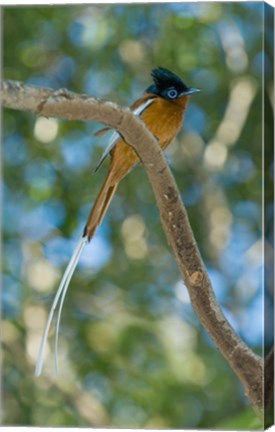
pixel 13 259
pixel 140 25
pixel 40 174
pixel 91 31
pixel 76 150
pixel 94 256
pixel 39 221
pixel 99 83
pixel 14 150
pixel 11 297
pixel 242 237
pixel 58 250
pixel 62 71
pixel 193 195
pixel 99 250
pixel 186 9
pixel 12 212
pixel 240 320
pixel 249 211
pixel 219 283
pixel 231 259
pixel 249 286
pixel 194 119
pixel 251 322
pixel 97 253
pixel 238 169
pixel 75 32
pixel 161 306
pixel 42 81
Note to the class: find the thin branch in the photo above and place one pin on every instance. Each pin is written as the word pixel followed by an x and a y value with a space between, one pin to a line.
pixel 247 365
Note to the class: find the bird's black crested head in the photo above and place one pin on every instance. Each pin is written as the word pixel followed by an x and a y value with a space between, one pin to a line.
pixel 168 85
pixel 163 79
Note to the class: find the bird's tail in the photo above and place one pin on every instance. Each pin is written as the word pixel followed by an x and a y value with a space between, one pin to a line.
pixel 96 215
pixel 100 206
pixel 61 292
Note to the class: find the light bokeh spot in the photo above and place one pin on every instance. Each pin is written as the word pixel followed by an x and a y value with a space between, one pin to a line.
pixel 45 130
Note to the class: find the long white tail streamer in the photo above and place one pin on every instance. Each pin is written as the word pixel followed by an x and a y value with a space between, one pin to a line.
pixel 78 252
pixel 62 290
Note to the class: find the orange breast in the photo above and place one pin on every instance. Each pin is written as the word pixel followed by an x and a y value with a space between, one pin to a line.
pixel 163 118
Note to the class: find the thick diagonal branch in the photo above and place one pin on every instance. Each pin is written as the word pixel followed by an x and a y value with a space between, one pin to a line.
pixel 247 365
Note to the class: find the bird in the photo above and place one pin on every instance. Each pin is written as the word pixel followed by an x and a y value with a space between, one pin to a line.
pixel 161 108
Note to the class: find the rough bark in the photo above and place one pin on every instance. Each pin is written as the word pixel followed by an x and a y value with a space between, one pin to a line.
pixel 245 363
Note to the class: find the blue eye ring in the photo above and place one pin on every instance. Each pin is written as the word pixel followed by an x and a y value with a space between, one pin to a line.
pixel 172 93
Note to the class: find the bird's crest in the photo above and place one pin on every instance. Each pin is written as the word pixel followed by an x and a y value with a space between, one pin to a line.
pixel 163 78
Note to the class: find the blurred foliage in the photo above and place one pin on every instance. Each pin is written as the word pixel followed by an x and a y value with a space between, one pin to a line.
pixel 133 353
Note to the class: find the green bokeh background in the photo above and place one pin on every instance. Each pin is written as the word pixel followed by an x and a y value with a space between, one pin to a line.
pixel 132 352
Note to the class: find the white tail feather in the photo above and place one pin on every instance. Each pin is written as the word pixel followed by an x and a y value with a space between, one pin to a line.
pixel 74 262
pixel 62 289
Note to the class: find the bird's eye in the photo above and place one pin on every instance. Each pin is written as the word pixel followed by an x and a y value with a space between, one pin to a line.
pixel 172 93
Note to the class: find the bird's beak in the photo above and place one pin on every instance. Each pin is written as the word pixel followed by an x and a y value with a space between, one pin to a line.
pixel 189 91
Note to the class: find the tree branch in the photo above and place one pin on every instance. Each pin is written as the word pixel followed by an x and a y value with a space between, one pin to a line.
pixel 247 365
